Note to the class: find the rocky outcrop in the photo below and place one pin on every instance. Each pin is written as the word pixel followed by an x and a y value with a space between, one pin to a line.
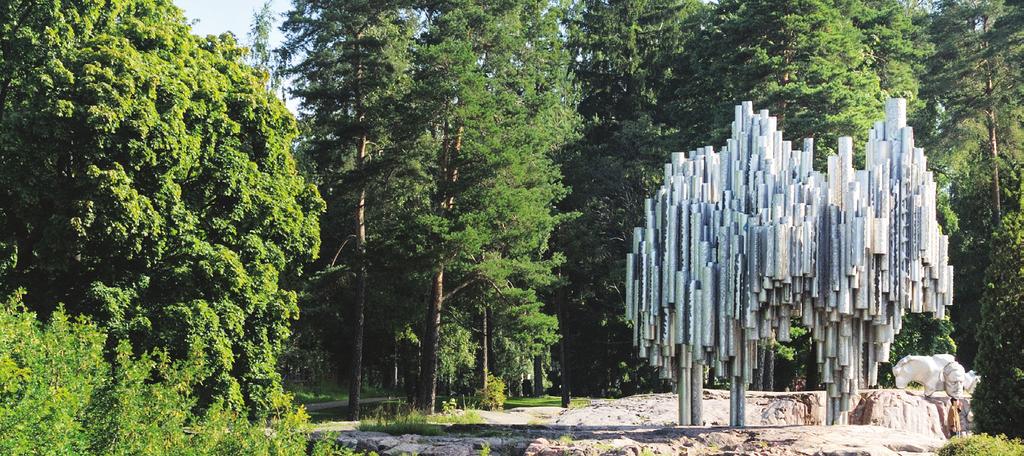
pixel 763 409
pixel 895 409
pixel 910 411
pixel 769 440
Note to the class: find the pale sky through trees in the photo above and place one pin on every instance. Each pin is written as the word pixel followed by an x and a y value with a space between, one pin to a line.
pixel 219 16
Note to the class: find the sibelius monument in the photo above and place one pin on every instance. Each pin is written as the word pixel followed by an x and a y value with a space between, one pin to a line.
pixel 738 242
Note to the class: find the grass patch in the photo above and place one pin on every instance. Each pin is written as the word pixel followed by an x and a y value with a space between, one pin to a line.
pixel 466 417
pixel 327 392
pixel 408 423
pixel 391 407
pixel 544 401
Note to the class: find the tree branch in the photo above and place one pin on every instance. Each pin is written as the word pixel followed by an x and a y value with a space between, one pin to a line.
pixel 475 278
pixel 347 238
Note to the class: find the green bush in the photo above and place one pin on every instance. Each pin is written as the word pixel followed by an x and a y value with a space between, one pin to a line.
pixel 492 397
pixel 60 395
pixel 982 445
pixel 998 402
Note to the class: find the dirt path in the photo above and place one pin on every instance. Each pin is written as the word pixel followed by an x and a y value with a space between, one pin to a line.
pixel 521 415
pixel 335 404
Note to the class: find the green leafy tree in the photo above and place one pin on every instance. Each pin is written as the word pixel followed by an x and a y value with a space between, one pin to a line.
pixel 350 60
pixel 149 184
pixel 999 399
pixel 261 55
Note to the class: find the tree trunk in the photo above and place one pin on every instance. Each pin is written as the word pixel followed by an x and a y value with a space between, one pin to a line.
pixel 489 335
pixel 561 348
pixel 484 342
pixel 394 370
pixel 427 384
pixel 993 149
pixel 538 376
pixel 427 389
pixel 356 380
pixel 993 144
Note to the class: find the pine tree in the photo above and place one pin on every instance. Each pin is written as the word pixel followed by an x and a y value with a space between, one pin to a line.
pixel 803 60
pixel 351 71
pixel 999 399
pixel 493 102
pixel 973 133
pixel 623 63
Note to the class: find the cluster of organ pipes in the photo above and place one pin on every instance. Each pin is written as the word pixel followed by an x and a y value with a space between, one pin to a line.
pixel 742 242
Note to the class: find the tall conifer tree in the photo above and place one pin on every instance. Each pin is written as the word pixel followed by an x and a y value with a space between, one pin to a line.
pixel 491 95
pixel 350 60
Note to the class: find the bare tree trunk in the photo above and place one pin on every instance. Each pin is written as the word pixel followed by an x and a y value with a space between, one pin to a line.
pixel 427 384
pixel 427 389
pixel 355 383
pixel 356 380
pixel 485 341
pixel 993 149
pixel 993 143
pixel 566 399
pixel 394 370
pixel 538 376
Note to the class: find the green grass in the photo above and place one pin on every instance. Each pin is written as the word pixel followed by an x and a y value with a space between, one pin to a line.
pixel 327 392
pixel 400 420
pixel 389 407
pixel 407 423
pixel 467 417
pixel 544 401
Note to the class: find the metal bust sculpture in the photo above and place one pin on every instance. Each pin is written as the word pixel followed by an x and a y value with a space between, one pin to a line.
pixel 740 241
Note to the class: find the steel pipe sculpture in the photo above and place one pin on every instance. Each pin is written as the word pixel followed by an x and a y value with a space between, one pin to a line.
pixel 739 242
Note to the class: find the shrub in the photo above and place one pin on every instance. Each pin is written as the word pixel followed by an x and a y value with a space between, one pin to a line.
pixel 998 402
pixel 492 397
pixel 982 445
pixel 60 395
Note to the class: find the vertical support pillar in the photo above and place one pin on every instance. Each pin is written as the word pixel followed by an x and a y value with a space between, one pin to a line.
pixel 682 387
pixel 697 391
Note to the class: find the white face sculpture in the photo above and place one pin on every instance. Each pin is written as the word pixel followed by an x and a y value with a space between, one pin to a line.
pixel 955 378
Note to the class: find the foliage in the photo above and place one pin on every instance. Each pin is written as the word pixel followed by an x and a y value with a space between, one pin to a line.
pixel 971 90
pixel 623 54
pixel 999 398
pixel 260 53
pixel 61 396
pixel 149 184
pixel 982 445
pixel 492 396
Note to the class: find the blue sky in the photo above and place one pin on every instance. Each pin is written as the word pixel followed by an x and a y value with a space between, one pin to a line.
pixel 219 16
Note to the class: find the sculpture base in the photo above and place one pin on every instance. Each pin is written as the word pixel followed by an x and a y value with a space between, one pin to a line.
pixel 896 409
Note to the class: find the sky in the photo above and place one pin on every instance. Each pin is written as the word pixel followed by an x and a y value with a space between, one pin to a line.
pixel 218 16
pixel 213 17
